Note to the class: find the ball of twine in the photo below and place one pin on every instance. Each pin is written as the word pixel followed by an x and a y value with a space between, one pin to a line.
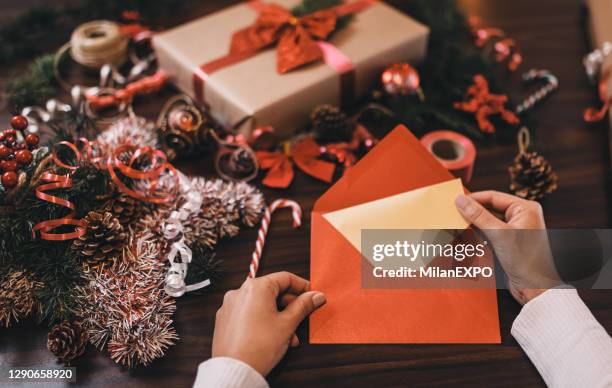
pixel 97 43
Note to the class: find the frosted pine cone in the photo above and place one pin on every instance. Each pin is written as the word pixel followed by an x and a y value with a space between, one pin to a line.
pixel 103 240
pixel 67 340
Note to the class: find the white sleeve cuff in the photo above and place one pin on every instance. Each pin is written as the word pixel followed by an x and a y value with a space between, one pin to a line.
pixel 564 341
pixel 225 372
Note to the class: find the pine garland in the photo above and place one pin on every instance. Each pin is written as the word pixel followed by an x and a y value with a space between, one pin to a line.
pixel 37 29
pixel 68 289
pixel 33 88
pixel 447 70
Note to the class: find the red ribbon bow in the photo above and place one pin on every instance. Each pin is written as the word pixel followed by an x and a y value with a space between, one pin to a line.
pixel 296 36
pixel 304 154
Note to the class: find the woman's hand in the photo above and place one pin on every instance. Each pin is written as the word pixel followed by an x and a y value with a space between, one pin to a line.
pixel 251 328
pixel 519 238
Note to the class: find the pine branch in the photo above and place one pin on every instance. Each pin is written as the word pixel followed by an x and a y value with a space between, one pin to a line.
pixel 33 88
pixel 36 30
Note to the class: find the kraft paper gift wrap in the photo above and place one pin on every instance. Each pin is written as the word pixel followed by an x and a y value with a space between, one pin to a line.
pixel 398 173
pixel 253 93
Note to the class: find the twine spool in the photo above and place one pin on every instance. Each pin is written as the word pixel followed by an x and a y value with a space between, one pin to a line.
pixel 97 43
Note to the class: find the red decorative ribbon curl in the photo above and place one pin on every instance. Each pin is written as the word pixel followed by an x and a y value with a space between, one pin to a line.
pixel 147 85
pixel 158 165
pixel 53 182
pixel 593 115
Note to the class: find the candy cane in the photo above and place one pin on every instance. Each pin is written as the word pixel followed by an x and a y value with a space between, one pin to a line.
pixel 296 213
pixel 552 83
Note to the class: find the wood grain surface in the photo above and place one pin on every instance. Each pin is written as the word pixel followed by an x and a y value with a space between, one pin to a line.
pixel 552 35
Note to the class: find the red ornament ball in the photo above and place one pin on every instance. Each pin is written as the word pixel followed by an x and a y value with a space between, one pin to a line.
pixel 23 157
pixel 32 139
pixel 9 179
pixel 8 165
pixel 20 123
pixel 401 78
pixel 5 151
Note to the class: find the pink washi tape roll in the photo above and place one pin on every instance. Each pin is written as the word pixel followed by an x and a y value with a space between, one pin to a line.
pixel 455 151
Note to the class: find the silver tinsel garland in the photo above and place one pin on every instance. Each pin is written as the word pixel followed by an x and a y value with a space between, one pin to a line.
pixel 124 306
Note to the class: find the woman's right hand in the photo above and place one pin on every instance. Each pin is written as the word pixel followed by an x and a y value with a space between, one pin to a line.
pixel 518 236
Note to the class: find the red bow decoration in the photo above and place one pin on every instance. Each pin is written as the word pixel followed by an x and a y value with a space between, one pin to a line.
pixel 483 104
pixel 304 154
pixel 593 115
pixel 345 153
pixel 296 37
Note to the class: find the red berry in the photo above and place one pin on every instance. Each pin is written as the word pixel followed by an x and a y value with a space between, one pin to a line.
pixel 5 151
pixel 23 157
pixel 2 136
pixel 20 123
pixel 32 139
pixel 9 179
pixel 9 132
pixel 8 165
pixel 10 139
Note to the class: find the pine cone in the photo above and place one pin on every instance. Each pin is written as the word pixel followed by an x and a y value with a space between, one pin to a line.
pixel 67 340
pixel 16 297
pixel 331 125
pixel 125 208
pixel 532 176
pixel 103 240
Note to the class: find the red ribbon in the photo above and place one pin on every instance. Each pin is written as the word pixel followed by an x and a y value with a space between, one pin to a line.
pixel 53 182
pixel 304 154
pixel 344 152
pixel 297 39
pixel 483 104
pixel 158 165
pixel 593 115
pixel 147 85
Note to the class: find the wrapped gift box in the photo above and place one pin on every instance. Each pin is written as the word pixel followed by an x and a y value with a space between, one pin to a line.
pixel 251 93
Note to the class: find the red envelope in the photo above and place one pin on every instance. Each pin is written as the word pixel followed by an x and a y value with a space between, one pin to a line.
pixel 355 315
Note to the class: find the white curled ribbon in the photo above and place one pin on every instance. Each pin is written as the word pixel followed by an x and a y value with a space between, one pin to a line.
pixel 172 229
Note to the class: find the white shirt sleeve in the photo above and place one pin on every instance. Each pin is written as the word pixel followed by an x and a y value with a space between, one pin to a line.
pixel 564 340
pixel 225 372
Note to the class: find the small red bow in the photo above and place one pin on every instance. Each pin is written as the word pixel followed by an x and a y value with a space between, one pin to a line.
pixel 483 104
pixel 296 36
pixel 304 154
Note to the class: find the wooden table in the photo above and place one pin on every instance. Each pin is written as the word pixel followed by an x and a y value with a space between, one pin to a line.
pixel 551 35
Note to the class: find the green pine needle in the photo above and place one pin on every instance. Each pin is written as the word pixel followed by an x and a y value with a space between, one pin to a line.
pixel 35 87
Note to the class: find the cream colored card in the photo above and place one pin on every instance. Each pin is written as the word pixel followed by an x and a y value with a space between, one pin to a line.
pixel 431 207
